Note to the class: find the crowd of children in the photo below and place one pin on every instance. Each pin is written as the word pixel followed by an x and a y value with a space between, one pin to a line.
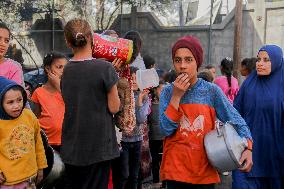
pixel 162 129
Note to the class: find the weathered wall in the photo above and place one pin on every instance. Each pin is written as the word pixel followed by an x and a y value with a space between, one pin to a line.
pixel 259 27
pixel 263 22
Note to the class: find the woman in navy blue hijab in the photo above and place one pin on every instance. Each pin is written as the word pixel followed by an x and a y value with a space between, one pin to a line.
pixel 260 101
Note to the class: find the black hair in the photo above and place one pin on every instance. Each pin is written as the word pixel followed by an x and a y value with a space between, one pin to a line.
pixel 77 32
pixel 162 82
pixel 69 55
pixel 249 64
pixel 152 91
pixel 109 32
pixel 148 61
pixel 137 43
pixel 227 70
pixel 50 57
pixel 209 66
pixel 4 26
pixel 133 69
pixel 170 76
pixel 206 75
pixel 23 92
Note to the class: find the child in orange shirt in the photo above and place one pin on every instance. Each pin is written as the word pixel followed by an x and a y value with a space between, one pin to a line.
pixel 49 105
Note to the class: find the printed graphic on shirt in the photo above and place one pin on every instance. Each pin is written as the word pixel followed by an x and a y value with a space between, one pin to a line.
pixel 186 127
pixel 20 142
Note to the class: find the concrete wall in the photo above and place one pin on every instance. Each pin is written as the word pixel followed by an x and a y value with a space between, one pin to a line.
pixel 259 27
pixel 263 22
pixel 45 39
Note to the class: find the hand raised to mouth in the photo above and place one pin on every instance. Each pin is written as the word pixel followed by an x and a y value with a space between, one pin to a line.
pixel 182 82
pixel 181 85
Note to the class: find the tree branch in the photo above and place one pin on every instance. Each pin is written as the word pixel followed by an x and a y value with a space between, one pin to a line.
pixel 102 18
pixel 111 17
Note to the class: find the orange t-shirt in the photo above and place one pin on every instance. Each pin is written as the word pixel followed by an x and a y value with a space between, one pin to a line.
pixel 52 113
pixel 184 156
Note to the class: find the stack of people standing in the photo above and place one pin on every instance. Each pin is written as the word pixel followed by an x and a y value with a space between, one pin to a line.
pixel 162 129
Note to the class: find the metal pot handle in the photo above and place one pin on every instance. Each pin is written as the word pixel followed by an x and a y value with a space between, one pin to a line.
pixel 219 132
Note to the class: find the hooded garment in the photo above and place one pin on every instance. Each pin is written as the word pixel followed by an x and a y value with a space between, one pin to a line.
pixel 260 101
pixel 21 148
pixel 5 85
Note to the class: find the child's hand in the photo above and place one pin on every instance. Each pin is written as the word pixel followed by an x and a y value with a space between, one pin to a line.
pixel 181 84
pixel 53 77
pixel 2 178
pixel 54 80
pixel 246 160
pixel 39 176
pixel 142 95
pixel 118 64
pixel 27 89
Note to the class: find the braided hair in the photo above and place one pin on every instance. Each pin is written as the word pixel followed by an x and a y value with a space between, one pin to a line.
pixel 227 70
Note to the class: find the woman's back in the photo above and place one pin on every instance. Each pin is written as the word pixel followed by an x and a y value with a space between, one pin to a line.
pixel 227 82
pixel 229 91
pixel 88 124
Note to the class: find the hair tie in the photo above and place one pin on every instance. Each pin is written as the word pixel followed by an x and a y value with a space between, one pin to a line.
pixel 78 35
pixel 48 55
pixel 229 59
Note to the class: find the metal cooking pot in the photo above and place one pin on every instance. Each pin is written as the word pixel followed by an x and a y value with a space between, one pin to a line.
pixel 224 147
pixel 55 168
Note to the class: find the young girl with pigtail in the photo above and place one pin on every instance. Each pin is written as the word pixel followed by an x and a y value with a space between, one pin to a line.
pixel 227 82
